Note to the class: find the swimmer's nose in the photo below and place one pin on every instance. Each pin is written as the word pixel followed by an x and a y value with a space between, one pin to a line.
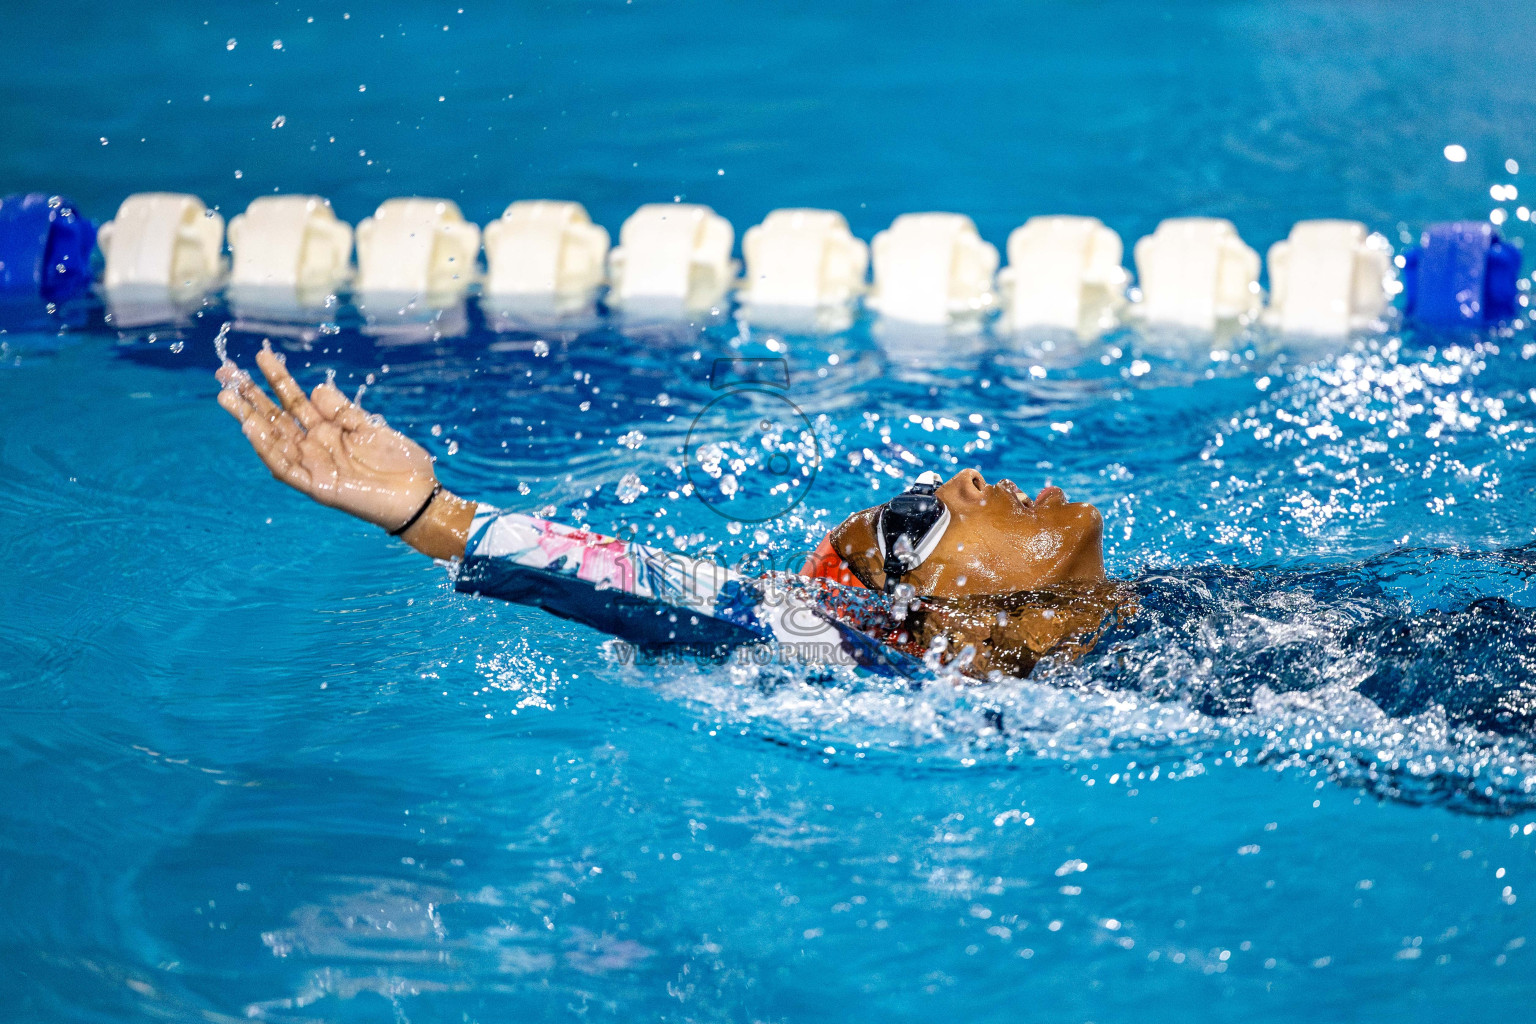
pixel 967 486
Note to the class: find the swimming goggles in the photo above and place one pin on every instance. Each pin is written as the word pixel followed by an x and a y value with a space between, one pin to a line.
pixel 910 526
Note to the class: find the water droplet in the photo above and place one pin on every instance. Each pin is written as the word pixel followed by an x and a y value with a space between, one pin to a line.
pixel 277 44
pixel 629 489
pixel 279 121
pixel 230 45
pixel 540 347
pixel 632 439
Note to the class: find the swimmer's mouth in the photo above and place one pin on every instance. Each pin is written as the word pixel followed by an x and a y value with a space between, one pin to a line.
pixel 1011 489
pixel 1049 495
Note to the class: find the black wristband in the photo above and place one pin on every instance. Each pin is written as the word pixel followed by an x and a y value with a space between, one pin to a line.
pixel 436 490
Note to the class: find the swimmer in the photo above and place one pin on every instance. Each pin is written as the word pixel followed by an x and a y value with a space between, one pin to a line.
pixel 981 571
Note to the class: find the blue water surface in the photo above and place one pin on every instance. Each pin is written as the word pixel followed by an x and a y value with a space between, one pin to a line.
pixel 257 761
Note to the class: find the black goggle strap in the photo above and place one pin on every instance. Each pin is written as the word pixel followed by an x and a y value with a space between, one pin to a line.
pixel 910 527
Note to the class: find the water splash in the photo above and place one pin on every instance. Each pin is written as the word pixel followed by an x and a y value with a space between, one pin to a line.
pixel 221 342
pixel 1343 671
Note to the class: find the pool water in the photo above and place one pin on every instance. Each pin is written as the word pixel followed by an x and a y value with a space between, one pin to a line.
pixel 257 761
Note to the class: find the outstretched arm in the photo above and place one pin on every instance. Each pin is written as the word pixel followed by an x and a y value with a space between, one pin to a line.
pixel 330 449
pixel 327 447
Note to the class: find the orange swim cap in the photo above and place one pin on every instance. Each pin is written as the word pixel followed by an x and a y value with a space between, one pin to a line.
pixel 826 564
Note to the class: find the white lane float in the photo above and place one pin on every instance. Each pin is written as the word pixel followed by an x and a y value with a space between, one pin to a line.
pixel 800 258
pixel 163 241
pixel 931 269
pixel 417 247
pixel 544 249
pixel 672 256
pixel 1063 272
pixel 1197 272
pixel 288 251
pixel 1329 277
pixel 547 259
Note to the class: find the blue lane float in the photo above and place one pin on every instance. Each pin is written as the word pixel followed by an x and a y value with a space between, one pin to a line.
pixel 45 247
pixel 1461 274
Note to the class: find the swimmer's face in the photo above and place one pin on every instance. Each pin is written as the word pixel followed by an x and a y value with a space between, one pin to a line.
pixel 999 541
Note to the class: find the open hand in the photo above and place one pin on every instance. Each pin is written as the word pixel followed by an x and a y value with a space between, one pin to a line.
pixel 327 447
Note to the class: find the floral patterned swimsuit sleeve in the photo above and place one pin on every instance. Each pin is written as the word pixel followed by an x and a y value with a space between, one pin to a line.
pixel 656 598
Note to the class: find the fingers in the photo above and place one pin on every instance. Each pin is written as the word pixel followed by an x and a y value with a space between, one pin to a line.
pixel 271 432
pixel 277 453
pixel 238 383
pixel 264 407
pixel 328 400
pixel 304 456
pixel 231 402
pixel 274 433
pixel 279 435
pixel 243 398
pixel 288 391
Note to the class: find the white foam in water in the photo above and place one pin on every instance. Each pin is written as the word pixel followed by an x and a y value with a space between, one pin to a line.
pixel 1064 715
